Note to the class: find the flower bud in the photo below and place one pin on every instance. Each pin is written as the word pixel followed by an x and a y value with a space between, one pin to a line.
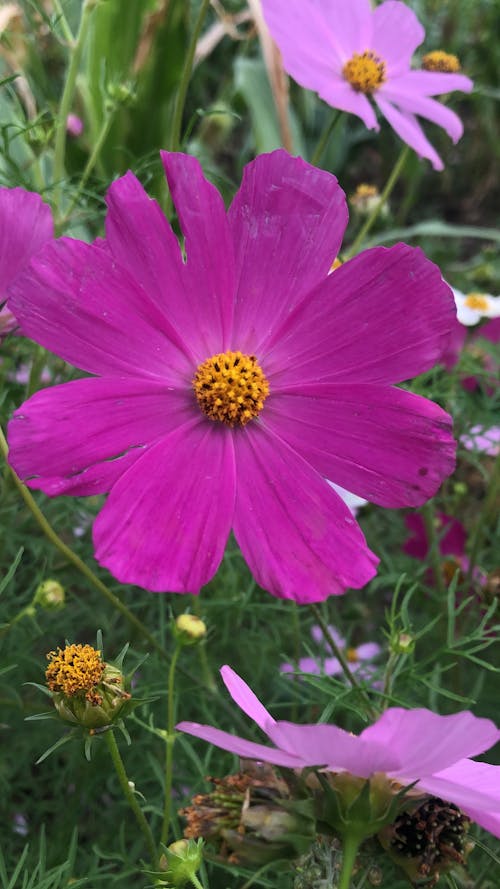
pixel 49 595
pixel 180 862
pixel 85 690
pixel 402 643
pixel 365 199
pixel 189 629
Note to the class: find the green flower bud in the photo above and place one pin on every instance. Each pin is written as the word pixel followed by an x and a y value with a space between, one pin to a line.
pixel 85 690
pixel 402 643
pixel 180 862
pixel 50 595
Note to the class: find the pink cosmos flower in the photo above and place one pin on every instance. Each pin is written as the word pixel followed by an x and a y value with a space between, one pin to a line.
pixel 229 386
pixel 348 52
pixel 482 440
pixel 406 745
pixel 25 226
pixel 326 664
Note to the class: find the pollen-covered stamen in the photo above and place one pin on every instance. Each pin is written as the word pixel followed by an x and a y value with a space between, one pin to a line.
pixel 231 388
pixel 365 72
pixel 75 669
pixel 477 301
pixel 438 60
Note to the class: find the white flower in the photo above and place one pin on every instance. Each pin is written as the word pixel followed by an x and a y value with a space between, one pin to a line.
pixel 471 307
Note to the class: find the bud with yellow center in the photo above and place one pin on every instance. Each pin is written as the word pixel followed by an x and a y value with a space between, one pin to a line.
pixel 365 199
pixel 85 690
pixel 231 387
pixel 365 72
pixel 189 629
pixel 49 595
pixel 441 61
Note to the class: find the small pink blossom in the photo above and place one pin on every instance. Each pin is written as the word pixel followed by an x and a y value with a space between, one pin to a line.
pixel 327 664
pixel 164 336
pixel 74 125
pixel 348 53
pixel 482 440
pixel 407 745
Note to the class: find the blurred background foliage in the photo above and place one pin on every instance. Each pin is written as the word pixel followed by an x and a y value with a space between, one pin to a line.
pixel 126 87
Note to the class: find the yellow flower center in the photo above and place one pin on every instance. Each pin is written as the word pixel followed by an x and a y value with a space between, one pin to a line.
pixel 74 669
pixel 477 301
pixel 365 72
pixel 441 61
pixel 352 655
pixel 231 387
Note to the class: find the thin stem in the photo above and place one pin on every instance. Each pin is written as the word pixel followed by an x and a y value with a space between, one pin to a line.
pixel 479 531
pixel 195 881
pixel 68 553
pixel 431 532
pixel 342 661
pixel 67 97
pixel 170 741
pixel 89 166
pixel 130 797
pixel 372 218
pixel 325 138
pixel 349 851
pixel 63 21
pixel 175 136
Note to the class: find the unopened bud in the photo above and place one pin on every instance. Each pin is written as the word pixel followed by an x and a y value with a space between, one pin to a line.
pixel 365 199
pixel 180 862
pixel 49 595
pixel 119 95
pixel 402 643
pixel 189 629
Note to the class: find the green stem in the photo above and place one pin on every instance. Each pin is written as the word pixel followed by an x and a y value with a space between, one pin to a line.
pixel 350 850
pixel 130 797
pixel 170 741
pixel 372 218
pixel 94 157
pixel 431 532
pixel 67 97
pixel 70 556
pixel 487 512
pixel 342 661
pixel 195 881
pixel 175 136
pixel 325 138
pixel 63 21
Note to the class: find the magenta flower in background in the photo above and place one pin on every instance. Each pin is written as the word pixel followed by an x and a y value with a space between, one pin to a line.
pixel 482 440
pixel 25 226
pixel 406 745
pixel 325 663
pixel 74 125
pixel 231 385
pixel 451 532
pixel 348 52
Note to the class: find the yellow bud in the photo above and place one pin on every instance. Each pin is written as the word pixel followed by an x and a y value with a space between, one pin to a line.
pixel 190 629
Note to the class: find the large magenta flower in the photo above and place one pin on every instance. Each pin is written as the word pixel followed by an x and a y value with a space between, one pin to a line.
pixel 25 226
pixel 348 52
pixel 406 745
pixel 229 386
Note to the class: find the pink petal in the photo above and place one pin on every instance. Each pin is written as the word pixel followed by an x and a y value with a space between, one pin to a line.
pixel 409 130
pixel 423 106
pixel 452 536
pixel 384 316
pixel 427 743
pixel 468 784
pixel 167 519
pixel 367 651
pixel 340 94
pixel 307 41
pixel 97 479
pixel 239 746
pixel 45 433
pixel 246 699
pixel 209 278
pixel 327 745
pixel 76 300
pixel 25 226
pixel 432 83
pixel 287 221
pixel 387 445
pixel 318 636
pixel 396 34
pixel 297 536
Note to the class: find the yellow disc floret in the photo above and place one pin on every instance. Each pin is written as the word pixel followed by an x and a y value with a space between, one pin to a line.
pixel 365 72
pixel 441 61
pixel 75 669
pixel 231 387
pixel 477 301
